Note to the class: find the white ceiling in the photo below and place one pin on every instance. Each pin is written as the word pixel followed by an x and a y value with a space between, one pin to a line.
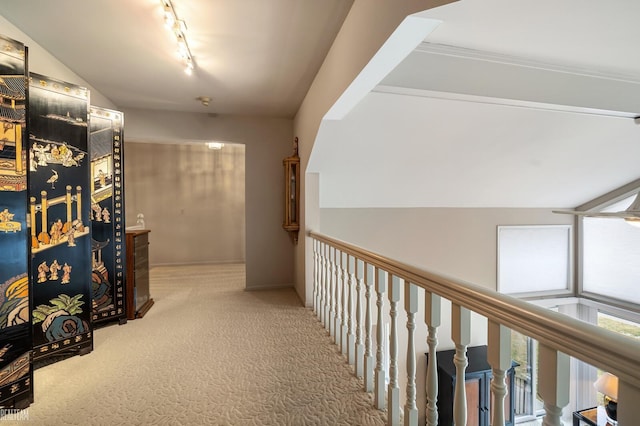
pixel 497 103
pixel 502 104
pixel 253 57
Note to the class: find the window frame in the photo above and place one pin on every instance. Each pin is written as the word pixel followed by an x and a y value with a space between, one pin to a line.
pixel 605 303
pixel 567 291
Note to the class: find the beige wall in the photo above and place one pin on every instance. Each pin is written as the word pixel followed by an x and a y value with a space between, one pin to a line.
pixel 42 62
pixel 268 249
pixel 366 28
pixel 460 243
pixel 192 199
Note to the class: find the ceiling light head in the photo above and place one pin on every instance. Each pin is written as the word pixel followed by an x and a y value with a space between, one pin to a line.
pixel 633 221
pixel 215 145
pixel 204 100
pixel 178 27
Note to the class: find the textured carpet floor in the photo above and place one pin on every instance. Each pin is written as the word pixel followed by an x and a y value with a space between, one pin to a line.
pixel 207 353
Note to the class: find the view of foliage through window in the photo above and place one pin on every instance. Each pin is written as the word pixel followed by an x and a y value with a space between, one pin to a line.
pixel 618 325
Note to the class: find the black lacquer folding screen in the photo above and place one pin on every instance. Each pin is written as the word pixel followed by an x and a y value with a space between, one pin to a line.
pixel 59 206
pixel 107 215
pixel 16 374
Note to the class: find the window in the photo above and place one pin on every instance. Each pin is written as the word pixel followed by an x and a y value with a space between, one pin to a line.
pixel 611 256
pixel 534 259
pixel 619 325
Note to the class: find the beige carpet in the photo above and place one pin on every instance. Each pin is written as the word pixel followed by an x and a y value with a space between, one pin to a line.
pixel 207 353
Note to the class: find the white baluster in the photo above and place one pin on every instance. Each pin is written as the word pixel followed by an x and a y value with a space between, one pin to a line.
pixel 351 337
pixel 337 295
pixel 358 322
pixel 345 299
pixel 323 266
pixel 411 306
pixel 379 392
pixel 319 277
pixel 553 385
pixel 432 316
pixel 393 391
pixel 316 282
pixel 327 286
pixel 369 277
pixel 499 357
pixel 461 336
pixel 330 288
pixel 628 407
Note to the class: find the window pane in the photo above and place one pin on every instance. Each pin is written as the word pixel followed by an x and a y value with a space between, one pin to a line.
pixel 612 256
pixel 533 258
pixel 619 325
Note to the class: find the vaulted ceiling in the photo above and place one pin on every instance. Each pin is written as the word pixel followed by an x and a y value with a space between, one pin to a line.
pixel 495 104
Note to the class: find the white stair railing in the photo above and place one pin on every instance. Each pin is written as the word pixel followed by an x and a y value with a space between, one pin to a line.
pixel 499 357
pixel 359 352
pixel 411 307
pixel 344 298
pixel 432 308
pixel 369 359
pixel 560 337
pixel 381 373
pixel 461 336
pixel 351 337
pixel 393 390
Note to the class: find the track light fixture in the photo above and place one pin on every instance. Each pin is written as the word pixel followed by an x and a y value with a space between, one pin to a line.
pixel 178 28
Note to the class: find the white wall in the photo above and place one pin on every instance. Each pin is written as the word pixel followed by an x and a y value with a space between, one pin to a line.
pixel 42 62
pixel 366 28
pixel 267 141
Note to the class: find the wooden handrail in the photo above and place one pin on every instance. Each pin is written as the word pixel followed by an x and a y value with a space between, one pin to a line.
pixel 612 352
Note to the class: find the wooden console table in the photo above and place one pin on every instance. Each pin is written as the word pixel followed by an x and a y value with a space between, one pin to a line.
pixel 595 416
pixel 139 300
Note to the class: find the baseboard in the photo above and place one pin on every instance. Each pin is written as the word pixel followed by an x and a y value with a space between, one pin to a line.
pixel 268 287
pixel 221 262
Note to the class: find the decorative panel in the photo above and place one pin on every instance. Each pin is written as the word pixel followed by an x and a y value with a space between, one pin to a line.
pixel 107 215
pixel 16 373
pixel 59 204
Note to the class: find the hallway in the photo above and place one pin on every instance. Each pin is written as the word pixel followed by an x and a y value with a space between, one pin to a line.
pixel 207 353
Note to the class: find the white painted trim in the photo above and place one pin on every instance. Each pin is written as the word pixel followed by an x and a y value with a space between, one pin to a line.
pixel 501 58
pixel 408 91
pixel 404 39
